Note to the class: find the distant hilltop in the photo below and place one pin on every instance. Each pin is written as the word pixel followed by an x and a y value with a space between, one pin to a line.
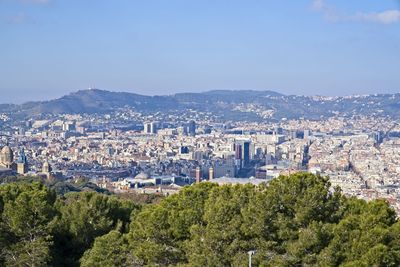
pixel 256 105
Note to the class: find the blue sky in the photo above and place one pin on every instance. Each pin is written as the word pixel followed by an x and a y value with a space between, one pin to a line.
pixel 51 47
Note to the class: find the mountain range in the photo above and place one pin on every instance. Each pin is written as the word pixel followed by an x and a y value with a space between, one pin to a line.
pixel 244 104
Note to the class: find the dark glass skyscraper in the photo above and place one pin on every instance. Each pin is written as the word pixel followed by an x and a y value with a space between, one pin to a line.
pixel 242 151
pixel 192 128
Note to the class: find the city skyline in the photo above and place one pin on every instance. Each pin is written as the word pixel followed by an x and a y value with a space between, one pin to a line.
pixel 317 47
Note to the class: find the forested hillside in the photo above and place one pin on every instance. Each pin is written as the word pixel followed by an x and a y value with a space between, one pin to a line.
pixel 296 220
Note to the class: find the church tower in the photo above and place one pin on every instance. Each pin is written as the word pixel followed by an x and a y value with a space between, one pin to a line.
pixel 6 157
pixel 22 163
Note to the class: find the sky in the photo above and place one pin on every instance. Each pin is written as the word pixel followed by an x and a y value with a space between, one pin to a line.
pixel 49 48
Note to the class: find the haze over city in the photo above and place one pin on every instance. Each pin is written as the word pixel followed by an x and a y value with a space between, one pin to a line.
pixel 51 47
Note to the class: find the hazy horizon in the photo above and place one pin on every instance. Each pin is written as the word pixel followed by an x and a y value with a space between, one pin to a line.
pixel 310 47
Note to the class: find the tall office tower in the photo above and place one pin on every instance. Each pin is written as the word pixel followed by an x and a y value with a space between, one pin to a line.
pixel 192 128
pixel 198 175
pixel 22 163
pixel 307 134
pixel 242 151
pixel 150 127
pixel 377 137
pixel 238 151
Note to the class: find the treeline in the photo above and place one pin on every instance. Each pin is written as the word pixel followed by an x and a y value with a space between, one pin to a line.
pixel 60 187
pixel 296 220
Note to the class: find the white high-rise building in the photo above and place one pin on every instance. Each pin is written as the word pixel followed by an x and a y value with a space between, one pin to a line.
pixel 150 127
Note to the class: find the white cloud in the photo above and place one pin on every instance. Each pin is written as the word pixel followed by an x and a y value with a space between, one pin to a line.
pixel 385 17
pixel 330 13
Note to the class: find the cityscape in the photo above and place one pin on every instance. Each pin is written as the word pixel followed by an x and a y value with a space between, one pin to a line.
pixel 126 150
pixel 183 133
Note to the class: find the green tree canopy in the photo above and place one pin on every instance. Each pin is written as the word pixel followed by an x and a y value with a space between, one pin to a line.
pixel 296 220
pixel 26 213
pixel 85 216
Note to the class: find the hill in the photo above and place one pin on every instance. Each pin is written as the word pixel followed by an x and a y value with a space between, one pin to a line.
pixel 246 104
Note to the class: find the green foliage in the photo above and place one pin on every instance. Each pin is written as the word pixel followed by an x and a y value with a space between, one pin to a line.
pixel 363 236
pixel 158 232
pixel 296 220
pixel 108 251
pixel 32 252
pixel 37 229
pixel 85 216
pixel 60 187
pixel 26 213
pixel 222 239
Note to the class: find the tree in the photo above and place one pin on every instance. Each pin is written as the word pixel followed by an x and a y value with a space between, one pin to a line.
pixel 296 220
pixel 363 236
pixel 220 240
pixel 26 213
pixel 31 252
pixel 158 233
pixel 110 250
pixel 83 217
